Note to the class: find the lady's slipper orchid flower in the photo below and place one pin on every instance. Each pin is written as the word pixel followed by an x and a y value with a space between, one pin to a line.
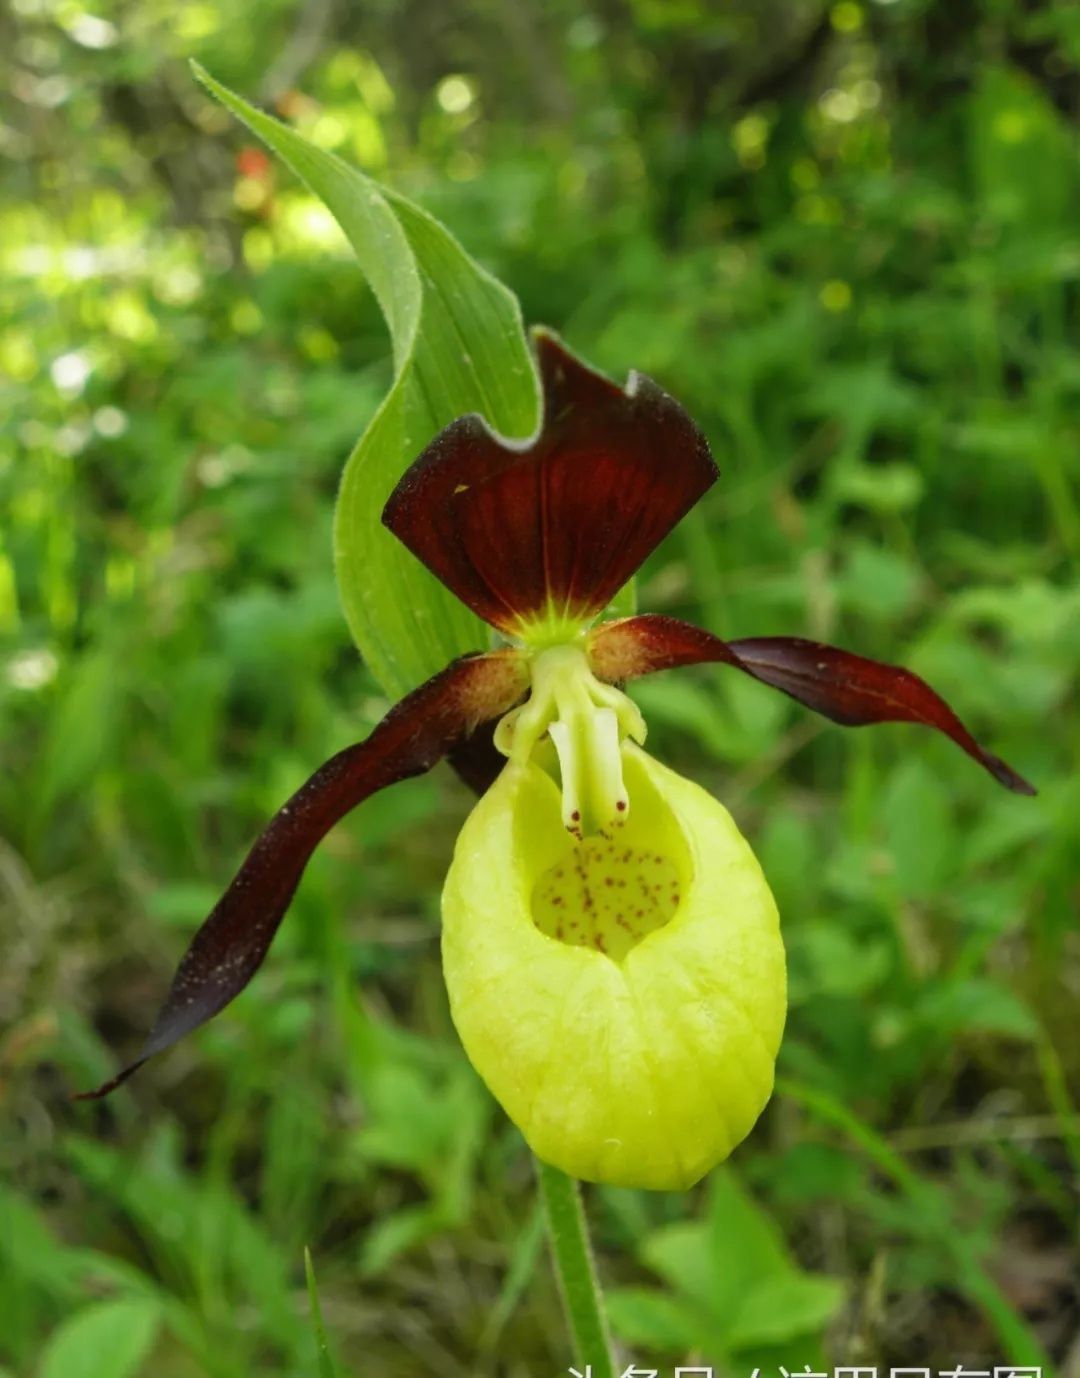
pixel 611 948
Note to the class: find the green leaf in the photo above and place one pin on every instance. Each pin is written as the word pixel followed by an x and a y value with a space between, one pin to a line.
pixel 415 1119
pixel 322 1345
pixel 109 1339
pixel 747 1245
pixel 977 1005
pixel 1003 828
pixel 733 1282
pixel 919 827
pixel 785 1307
pixel 1021 151
pixel 28 1249
pixel 659 1321
pixel 459 346
pixel 877 582
pixel 827 960
pixel 396 1234
pixel 681 1254
pixel 78 739
pixel 521 1266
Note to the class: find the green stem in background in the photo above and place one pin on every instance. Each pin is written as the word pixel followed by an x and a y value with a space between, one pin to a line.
pixel 572 1256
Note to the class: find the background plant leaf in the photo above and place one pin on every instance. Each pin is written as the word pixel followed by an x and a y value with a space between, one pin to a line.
pixel 107 1339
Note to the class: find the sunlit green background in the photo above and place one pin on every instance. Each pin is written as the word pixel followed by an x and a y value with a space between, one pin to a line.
pixel 847 239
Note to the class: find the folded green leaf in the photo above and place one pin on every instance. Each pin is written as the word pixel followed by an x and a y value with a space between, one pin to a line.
pixel 459 346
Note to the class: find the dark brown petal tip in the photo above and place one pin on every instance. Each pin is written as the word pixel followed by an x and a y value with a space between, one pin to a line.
pixel 231 944
pixel 842 686
pixel 553 527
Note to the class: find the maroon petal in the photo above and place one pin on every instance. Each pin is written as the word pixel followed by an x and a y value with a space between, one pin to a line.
pixel 847 688
pixel 557 525
pixel 476 759
pixel 231 944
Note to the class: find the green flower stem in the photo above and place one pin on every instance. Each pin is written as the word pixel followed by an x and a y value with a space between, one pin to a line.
pixel 572 1256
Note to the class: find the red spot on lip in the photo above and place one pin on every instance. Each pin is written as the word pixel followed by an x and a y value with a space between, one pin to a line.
pixel 575 817
pixel 621 805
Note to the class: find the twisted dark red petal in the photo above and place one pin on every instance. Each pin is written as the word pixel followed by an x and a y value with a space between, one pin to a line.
pixel 230 946
pixel 844 687
pixel 562 522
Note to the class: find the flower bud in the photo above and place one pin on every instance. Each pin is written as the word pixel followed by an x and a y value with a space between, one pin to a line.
pixel 623 995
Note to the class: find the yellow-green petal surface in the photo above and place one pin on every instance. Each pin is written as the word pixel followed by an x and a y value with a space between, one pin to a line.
pixel 642 1071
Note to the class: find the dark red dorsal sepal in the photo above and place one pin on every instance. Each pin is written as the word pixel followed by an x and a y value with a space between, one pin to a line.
pixel 418 732
pixel 549 530
pixel 847 688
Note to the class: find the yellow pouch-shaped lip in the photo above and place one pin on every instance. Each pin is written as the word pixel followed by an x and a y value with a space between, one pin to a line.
pixel 644 1068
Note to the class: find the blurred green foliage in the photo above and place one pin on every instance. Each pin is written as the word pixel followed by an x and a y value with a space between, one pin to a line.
pixel 846 238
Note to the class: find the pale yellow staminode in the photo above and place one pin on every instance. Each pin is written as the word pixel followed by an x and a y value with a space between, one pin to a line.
pixel 638 1053
pixel 585 721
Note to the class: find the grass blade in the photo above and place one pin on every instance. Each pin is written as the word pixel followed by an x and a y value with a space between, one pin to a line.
pixel 327 1368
